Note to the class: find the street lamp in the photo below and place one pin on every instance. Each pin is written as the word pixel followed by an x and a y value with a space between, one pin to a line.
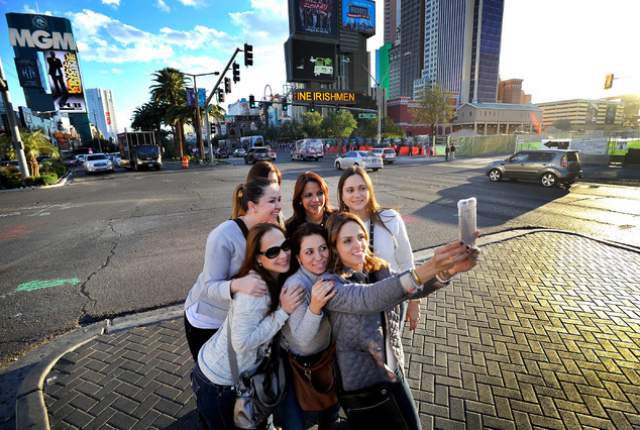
pixel 379 102
pixel 199 142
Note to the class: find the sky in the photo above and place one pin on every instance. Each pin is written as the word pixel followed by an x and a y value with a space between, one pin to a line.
pixel 562 49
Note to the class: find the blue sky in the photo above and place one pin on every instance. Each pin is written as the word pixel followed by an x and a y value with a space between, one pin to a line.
pixel 562 49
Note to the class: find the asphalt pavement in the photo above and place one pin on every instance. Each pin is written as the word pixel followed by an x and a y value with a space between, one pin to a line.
pixel 544 333
pixel 105 246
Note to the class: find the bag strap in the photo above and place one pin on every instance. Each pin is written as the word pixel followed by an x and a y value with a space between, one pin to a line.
pixel 242 226
pixel 230 351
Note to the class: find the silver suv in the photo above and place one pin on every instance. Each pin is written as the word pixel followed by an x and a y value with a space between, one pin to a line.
pixel 548 167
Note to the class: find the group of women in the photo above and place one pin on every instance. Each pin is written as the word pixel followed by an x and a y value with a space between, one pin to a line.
pixel 332 287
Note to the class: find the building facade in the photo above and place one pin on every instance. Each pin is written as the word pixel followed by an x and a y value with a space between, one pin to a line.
pixel 391 20
pixel 382 65
pixel 583 113
pixel 102 112
pixel 462 41
pixel 411 44
pixel 498 118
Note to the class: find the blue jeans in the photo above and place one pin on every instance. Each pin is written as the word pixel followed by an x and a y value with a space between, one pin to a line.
pixel 290 415
pixel 215 402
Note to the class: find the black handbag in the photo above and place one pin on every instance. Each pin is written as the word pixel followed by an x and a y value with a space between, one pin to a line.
pixel 373 407
pixel 258 393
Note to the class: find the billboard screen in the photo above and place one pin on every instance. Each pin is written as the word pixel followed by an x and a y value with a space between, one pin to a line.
pixel 65 81
pixel 310 61
pixel 28 73
pixel 316 17
pixel 359 16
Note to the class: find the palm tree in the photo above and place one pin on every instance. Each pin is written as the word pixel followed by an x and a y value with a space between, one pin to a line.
pixel 169 90
pixel 149 116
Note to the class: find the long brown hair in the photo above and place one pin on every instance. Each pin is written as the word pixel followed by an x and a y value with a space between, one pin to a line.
pixel 334 225
pixel 373 207
pixel 260 170
pixel 249 192
pixel 250 262
pixel 299 214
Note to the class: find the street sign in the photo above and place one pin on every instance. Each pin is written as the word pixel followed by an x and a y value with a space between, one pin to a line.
pixel 367 115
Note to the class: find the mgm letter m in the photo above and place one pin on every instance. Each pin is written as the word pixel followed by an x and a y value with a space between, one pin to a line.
pixel 42 39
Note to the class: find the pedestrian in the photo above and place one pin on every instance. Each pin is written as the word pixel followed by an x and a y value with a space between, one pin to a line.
pixel 372 387
pixel 310 202
pixel 208 300
pixel 252 324
pixel 388 238
pixel 446 152
pixel 262 169
pixel 453 151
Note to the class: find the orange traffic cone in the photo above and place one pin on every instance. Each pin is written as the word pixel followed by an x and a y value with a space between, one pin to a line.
pixel 185 162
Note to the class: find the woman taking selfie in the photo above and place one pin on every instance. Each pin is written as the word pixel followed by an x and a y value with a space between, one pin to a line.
pixel 374 392
pixel 252 323
pixel 208 301
pixel 310 202
pixel 387 232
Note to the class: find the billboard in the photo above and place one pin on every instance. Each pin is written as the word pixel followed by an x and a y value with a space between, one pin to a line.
pixel 335 97
pixel 28 73
pixel 316 17
pixel 65 81
pixel 359 16
pixel 202 97
pixel 310 61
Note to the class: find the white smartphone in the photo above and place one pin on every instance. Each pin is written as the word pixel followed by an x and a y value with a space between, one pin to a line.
pixel 467 222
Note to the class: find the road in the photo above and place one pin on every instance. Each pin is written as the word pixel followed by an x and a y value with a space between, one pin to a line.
pixel 114 244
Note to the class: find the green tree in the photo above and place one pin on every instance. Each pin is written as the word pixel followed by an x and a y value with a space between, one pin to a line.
pixel 148 117
pixel 562 124
pixel 35 142
pixel 391 129
pixel 339 125
pixel 433 108
pixel 367 128
pixel 312 124
pixel 169 91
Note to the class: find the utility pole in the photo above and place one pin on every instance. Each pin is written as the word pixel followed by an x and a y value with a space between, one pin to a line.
pixel 379 102
pixel 198 121
pixel 14 131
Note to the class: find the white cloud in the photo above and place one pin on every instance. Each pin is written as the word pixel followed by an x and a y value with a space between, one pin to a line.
pixel 116 71
pixel 114 3
pixel 28 9
pixel 163 6
pixel 192 3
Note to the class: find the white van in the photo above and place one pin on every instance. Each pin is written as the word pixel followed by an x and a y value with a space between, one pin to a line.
pixel 308 149
pixel 249 142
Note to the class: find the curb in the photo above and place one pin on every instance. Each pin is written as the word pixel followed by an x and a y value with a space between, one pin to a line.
pixel 31 411
pixel 61 183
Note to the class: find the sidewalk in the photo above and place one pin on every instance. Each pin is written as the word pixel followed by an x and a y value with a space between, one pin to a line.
pixel 545 333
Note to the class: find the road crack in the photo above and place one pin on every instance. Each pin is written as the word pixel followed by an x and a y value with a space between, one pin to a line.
pixel 84 291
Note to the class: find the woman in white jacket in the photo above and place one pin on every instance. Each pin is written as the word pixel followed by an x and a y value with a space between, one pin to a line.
pixel 254 321
pixel 388 237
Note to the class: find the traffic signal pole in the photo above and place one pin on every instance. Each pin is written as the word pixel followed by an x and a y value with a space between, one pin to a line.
pixel 14 131
pixel 224 72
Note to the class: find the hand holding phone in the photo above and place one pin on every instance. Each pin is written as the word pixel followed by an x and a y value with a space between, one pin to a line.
pixel 467 222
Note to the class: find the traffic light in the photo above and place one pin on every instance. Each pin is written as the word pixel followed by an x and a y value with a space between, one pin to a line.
pixel 248 55
pixel 312 108
pixel 252 101
pixel 608 81
pixel 236 72
pixel 285 107
pixel 227 85
pixel 213 129
pixel 220 95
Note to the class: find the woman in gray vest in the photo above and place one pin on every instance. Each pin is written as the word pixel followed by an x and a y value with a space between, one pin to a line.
pixel 208 301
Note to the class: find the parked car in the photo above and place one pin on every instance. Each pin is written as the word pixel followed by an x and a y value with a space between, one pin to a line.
pixel 366 160
pixel 549 167
pixel 80 159
pixel 388 154
pixel 98 163
pixel 221 153
pixel 258 153
pixel 239 152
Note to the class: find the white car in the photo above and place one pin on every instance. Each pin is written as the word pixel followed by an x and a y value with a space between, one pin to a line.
pixel 388 154
pixel 366 160
pixel 98 163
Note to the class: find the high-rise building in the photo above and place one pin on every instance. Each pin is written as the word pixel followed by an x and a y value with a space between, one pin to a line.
pixel 101 112
pixel 411 44
pixel 391 20
pixel 462 48
pixel 394 72
pixel 382 65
